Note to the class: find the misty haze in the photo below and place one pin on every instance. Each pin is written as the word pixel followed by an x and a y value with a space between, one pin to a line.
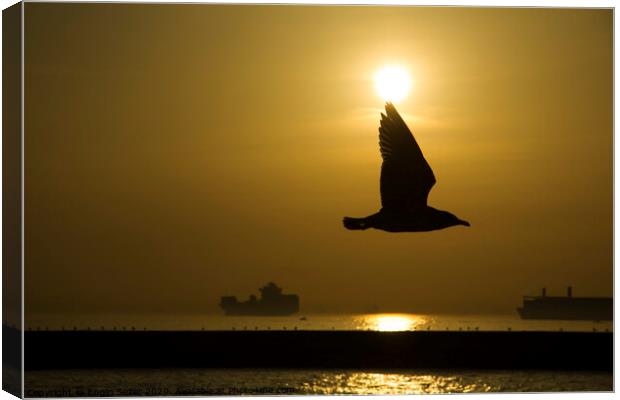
pixel 170 164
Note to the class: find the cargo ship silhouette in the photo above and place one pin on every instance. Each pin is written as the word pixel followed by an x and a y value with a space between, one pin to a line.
pixel 566 307
pixel 271 302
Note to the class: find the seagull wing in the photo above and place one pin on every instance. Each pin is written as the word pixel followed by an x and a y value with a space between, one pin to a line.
pixel 406 177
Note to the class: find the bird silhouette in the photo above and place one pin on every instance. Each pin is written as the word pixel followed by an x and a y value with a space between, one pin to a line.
pixel 406 180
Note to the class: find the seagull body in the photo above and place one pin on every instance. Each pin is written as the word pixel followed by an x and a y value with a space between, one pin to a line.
pixel 406 180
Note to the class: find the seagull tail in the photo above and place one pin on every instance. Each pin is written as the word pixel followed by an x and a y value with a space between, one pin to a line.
pixel 355 223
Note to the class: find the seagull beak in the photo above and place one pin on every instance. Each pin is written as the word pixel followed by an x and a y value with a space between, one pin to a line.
pixel 464 223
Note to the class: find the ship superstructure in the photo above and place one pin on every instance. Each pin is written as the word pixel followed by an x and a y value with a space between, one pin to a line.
pixel 271 302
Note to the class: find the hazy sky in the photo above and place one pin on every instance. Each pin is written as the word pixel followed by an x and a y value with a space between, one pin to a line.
pixel 177 153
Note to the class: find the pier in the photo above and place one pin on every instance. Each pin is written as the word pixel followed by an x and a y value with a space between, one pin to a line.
pixel 316 349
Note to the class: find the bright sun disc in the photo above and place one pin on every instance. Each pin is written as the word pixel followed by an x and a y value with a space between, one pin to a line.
pixel 392 83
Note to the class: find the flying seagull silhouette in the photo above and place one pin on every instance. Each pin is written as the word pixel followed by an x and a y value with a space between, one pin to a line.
pixel 406 180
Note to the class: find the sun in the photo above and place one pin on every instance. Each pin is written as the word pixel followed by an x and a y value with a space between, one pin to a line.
pixel 392 83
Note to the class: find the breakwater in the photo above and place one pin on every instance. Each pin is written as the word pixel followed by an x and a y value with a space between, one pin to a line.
pixel 318 349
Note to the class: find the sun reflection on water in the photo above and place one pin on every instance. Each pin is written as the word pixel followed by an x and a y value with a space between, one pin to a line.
pixel 394 383
pixel 393 322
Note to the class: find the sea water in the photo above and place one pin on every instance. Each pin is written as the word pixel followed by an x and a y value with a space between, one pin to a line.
pixel 205 382
pixel 186 382
pixel 378 321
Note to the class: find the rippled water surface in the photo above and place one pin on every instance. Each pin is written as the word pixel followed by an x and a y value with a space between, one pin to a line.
pixel 246 381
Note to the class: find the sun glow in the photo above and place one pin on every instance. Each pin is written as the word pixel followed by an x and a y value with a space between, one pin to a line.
pixel 392 83
pixel 393 322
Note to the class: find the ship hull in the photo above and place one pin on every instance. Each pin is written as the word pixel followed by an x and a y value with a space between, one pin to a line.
pixel 285 305
pixel 567 308
pixel 263 313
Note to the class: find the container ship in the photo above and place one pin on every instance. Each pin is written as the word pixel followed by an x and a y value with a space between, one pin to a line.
pixel 566 307
pixel 271 302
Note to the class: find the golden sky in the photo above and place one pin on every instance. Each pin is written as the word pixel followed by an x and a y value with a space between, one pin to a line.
pixel 177 153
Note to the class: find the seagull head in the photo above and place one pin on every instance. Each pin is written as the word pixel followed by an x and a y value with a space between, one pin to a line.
pixel 449 219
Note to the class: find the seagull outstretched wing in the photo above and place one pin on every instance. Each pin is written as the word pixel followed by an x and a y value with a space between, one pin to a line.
pixel 406 177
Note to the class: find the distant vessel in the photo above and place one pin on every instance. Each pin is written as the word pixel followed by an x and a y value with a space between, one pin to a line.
pixel 272 302
pixel 566 307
